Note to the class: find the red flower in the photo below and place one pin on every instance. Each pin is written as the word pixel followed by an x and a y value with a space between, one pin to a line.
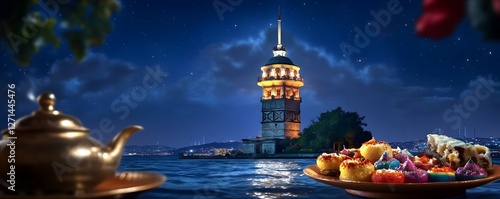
pixel 440 18
pixel 496 6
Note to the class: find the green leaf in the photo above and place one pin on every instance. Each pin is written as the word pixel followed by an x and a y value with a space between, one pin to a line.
pixel 77 45
pixel 86 23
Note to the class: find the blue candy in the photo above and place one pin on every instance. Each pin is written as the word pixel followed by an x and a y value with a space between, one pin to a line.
pixel 386 162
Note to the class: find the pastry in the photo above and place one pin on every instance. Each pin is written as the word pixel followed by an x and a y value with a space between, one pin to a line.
pixel 372 149
pixel 328 163
pixel 388 176
pixel 357 169
pixel 455 153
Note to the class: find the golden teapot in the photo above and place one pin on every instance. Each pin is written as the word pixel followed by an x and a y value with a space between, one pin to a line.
pixel 50 152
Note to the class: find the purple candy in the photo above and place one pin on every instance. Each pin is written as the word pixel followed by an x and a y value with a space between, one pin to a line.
pixel 401 156
pixel 412 173
pixel 470 171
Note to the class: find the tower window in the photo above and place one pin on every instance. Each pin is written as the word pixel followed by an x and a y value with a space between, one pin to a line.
pixel 278 92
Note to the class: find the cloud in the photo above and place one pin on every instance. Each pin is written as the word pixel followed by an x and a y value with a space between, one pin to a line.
pixel 235 66
pixel 375 90
pixel 443 89
pixel 89 89
pixel 479 101
pixel 199 91
pixel 92 77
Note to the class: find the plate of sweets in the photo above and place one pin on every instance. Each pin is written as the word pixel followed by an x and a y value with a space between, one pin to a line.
pixel 447 168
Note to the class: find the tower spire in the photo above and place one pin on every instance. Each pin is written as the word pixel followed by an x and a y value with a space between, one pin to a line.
pixel 279 50
pixel 279 28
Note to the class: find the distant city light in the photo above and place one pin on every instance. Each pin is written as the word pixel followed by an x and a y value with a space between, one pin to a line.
pixel 190 151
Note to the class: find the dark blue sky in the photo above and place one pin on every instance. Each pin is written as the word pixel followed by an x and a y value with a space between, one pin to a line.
pixel 207 64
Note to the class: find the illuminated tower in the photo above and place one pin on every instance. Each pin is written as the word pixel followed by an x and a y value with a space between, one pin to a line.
pixel 280 83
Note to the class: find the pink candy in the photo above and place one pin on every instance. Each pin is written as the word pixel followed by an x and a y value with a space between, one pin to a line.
pixel 412 173
pixel 470 171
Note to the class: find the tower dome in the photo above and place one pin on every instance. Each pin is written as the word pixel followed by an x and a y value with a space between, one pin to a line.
pixel 279 60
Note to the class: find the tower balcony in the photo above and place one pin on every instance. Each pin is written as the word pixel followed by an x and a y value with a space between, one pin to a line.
pixel 259 79
pixel 271 81
pixel 272 97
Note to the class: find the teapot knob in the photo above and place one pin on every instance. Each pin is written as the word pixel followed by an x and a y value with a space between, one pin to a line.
pixel 46 101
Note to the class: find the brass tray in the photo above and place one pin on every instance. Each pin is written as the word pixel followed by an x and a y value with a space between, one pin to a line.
pixel 405 190
pixel 122 185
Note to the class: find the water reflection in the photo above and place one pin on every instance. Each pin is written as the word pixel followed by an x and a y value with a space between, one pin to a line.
pixel 273 179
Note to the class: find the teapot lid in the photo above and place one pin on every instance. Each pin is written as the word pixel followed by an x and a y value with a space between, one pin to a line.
pixel 48 119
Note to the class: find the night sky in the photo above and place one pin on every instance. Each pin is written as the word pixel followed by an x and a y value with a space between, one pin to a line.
pixel 206 65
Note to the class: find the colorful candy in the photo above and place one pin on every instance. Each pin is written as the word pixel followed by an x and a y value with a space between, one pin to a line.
pixel 386 162
pixel 441 174
pixel 470 171
pixel 402 155
pixel 412 173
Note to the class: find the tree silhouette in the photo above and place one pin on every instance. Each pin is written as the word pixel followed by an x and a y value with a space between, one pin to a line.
pixel 28 25
pixel 330 132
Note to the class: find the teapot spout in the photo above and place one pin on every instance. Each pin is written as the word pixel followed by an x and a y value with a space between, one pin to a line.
pixel 118 143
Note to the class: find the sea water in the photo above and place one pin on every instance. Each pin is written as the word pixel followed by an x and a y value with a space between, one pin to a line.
pixel 248 178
